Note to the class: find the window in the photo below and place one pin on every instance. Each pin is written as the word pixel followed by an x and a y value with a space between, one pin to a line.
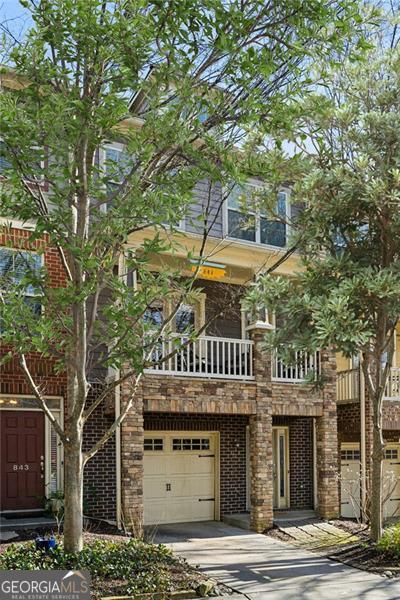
pixel 184 319
pixel 153 317
pixel 116 165
pixel 391 453
pixel 254 226
pixel 4 162
pixel 153 444
pixel 14 265
pixel 350 454
pixel 37 162
pixel 190 444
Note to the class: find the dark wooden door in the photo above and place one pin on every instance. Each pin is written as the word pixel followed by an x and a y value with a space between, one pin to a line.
pixel 22 460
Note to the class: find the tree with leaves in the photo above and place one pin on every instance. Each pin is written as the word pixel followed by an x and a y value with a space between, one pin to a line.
pixel 179 85
pixel 344 163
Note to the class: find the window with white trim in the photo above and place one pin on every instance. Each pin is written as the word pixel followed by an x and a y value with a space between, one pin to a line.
pixel 256 226
pixel 14 266
pixel 35 166
pixel 116 164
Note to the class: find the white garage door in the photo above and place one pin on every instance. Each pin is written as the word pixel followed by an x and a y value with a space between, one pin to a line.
pixel 179 477
pixel 391 481
pixel 350 481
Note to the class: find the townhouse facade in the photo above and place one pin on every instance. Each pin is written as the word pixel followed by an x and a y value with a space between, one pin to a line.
pixel 219 429
pixel 223 427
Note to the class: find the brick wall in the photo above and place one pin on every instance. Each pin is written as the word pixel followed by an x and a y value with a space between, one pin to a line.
pixel 232 450
pixel 99 477
pixel 300 460
pixel 100 472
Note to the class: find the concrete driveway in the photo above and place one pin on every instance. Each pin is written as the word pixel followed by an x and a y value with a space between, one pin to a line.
pixel 260 567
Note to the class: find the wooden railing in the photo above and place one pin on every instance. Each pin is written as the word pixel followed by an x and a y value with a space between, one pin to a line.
pixel 348 385
pixel 303 364
pixel 214 357
pixel 392 390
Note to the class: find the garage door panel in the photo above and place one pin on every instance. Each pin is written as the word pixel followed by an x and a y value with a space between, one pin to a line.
pixel 179 464
pixel 350 497
pixel 179 481
pixel 154 487
pixel 182 510
pixel 192 486
pixel 391 482
pixel 154 464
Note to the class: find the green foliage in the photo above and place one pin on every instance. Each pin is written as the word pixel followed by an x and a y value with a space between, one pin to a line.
pixel 180 86
pixel 346 294
pixel 390 541
pixel 143 567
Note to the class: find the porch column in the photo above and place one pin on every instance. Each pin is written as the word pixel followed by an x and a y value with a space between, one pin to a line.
pixel 261 464
pixel 132 435
pixel 327 443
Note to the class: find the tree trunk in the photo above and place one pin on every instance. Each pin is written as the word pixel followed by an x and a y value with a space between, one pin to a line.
pixel 376 479
pixel 73 496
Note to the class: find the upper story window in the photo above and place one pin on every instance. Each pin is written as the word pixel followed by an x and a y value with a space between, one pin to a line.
pixel 184 318
pixel 4 162
pixel 255 226
pixel 115 162
pixel 34 164
pixel 14 266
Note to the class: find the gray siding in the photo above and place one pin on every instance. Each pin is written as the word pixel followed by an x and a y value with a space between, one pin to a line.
pixel 206 209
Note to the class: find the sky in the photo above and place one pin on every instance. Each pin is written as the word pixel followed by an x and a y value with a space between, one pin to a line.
pixel 14 16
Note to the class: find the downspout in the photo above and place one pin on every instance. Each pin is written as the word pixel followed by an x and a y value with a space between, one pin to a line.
pixel 363 454
pixel 315 471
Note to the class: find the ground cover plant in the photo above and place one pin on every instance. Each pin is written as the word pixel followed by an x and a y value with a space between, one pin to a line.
pixel 117 566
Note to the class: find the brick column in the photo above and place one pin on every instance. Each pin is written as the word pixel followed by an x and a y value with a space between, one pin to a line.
pixel 261 464
pixel 132 434
pixel 327 443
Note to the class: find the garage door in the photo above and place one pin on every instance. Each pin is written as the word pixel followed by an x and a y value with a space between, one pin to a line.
pixel 350 481
pixel 179 477
pixel 391 481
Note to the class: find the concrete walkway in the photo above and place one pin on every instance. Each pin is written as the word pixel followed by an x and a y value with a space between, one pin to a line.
pixel 260 567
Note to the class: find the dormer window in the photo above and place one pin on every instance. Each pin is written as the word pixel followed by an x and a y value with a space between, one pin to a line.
pixel 254 226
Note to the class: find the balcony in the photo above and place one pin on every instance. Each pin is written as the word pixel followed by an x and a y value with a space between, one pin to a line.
pixel 303 364
pixel 348 385
pixel 392 391
pixel 213 357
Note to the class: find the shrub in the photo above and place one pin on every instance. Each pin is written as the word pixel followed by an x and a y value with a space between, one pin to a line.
pixel 142 567
pixel 390 540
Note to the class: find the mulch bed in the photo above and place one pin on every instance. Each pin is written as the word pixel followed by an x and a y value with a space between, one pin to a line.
pixel 362 555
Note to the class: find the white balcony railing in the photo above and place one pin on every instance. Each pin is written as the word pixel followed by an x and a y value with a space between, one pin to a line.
pixel 348 385
pixel 392 391
pixel 303 364
pixel 214 357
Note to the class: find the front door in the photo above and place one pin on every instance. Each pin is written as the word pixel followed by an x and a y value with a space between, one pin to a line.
pixel 22 460
pixel 280 454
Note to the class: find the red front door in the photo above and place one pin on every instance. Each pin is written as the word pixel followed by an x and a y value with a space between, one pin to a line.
pixel 22 460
